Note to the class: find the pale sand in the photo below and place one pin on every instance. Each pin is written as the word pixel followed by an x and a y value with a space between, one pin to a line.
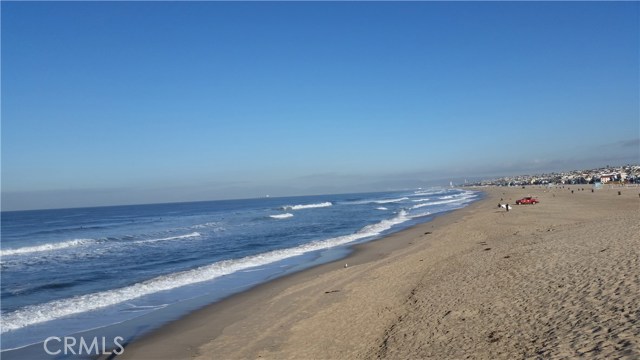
pixel 560 279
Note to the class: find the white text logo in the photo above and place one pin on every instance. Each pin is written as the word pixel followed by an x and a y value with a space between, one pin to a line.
pixel 70 345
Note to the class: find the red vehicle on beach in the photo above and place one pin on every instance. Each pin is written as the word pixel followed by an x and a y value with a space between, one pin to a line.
pixel 527 200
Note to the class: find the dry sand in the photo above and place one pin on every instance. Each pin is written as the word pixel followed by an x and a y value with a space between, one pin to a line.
pixel 560 279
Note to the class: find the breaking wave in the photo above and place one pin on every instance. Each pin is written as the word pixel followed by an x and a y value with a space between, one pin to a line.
pixel 461 200
pixel 46 247
pixel 308 206
pixel 85 242
pixel 281 216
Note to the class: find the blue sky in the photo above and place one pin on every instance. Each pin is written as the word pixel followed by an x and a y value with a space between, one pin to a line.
pixel 135 102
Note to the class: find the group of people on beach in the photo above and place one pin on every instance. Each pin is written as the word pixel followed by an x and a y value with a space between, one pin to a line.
pixel 504 206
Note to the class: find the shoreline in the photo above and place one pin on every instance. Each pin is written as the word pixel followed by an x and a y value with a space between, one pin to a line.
pixel 217 316
pixel 557 279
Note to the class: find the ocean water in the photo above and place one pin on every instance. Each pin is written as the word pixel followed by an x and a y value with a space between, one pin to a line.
pixel 72 270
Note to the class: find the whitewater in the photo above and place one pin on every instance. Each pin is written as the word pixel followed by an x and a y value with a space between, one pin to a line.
pixel 72 270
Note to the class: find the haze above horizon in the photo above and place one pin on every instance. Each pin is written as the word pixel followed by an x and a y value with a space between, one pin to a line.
pixel 109 103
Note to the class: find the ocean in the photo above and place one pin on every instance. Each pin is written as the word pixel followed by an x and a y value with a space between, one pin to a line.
pixel 128 269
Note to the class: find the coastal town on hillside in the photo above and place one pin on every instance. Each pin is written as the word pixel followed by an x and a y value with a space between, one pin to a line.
pixel 619 175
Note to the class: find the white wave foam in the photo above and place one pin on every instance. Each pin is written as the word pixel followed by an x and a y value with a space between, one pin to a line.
pixel 461 198
pixel 34 314
pixel 428 192
pixel 437 203
pixel 391 200
pixel 81 242
pixel 413 216
pixel 308 206
pixel 375 229
pixel 421 200
pixel 45 247
pixel 281 216
pixel 193 234
pixel 381 208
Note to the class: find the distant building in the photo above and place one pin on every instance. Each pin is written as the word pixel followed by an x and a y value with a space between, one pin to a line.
pixel 607 177
pixel 625 174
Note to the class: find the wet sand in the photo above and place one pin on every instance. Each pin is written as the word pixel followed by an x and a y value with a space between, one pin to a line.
pixel 559 279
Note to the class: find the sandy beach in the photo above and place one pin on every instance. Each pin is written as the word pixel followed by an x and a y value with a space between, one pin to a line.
pixel 559 279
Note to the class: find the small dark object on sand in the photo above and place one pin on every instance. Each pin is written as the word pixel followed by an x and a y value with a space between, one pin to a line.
pixel 427 233
pixel 619 192
pixel 493 338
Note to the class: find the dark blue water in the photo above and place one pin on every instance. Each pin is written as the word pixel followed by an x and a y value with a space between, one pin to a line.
pixel 70 270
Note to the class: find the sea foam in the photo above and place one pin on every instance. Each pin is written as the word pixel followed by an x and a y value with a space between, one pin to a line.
pixel 308 206
pixel 461 200
pixel 81 242
pixel 46 247
pixel 281 216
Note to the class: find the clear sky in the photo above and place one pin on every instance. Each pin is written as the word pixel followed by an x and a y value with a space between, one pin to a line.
pixel 137 102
